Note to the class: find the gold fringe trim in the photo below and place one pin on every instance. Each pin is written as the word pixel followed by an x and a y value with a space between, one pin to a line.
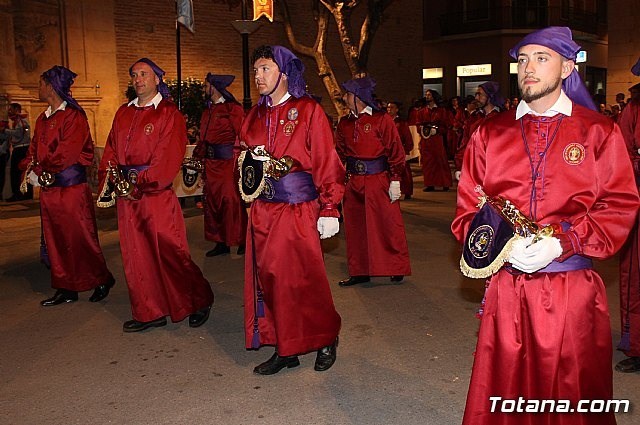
pixel 104 194
pixel 257 193
pixel 492 268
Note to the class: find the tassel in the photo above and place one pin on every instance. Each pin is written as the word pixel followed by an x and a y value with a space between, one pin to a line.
pixel 255 341
pixel 260 306
pixel 44 253
pixel 625 339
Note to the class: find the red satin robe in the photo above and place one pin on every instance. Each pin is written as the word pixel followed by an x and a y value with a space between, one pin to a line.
pixel 406 178
pixel 299 312
pixel 433 157
pixel 471 124
pixel 161 277
pixel 374 230
pixel 629 121
pixel 456 118
pixel 68 217
pixel 547 335
pixel 225 218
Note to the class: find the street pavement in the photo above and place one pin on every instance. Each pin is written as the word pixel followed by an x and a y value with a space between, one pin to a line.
pixel 405 352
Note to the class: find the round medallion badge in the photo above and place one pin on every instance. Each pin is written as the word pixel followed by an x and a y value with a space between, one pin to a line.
pixel 148 129
pixel 574 153
pixel 480 241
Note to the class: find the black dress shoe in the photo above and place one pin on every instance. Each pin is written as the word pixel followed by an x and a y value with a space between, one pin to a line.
pixel 429 189
pixel 135 326
pixel 354 280
pixel 241 250
pixel 101 291
pixel 630 365
pixel 275 364
pixel 61 296
pixel 407 197
pixel 326 357
pixel 445 189
pixel 199 317
pixel 219 249
pixel 397 278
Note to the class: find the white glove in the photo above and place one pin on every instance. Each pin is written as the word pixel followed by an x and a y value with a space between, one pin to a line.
pixel 33 179
pixel 258 157
pixel 457 174
pixel 432 132
pixel 394 191
pixel 530 257
pixel 328 226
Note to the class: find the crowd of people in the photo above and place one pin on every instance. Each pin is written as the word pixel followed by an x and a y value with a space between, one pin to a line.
pixel 544 332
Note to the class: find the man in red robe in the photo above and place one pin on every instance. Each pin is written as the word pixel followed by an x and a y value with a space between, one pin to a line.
pixel 406 179
pixel 287 299
pixel 225 218
pixel 431 124
pixel 490 102
pixel 147 144
pixel 629 123
pixel 368 142
pixel 60 151
pixel 545 331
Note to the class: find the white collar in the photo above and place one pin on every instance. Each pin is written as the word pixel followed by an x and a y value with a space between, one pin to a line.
pixel 284 98
pixel 220 100
pixel 562 106
pixel 366 110
pixel 155 101
pixel 62 107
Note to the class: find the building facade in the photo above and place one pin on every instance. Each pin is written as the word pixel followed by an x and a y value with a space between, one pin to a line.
pixel 99 40
pixel 481 32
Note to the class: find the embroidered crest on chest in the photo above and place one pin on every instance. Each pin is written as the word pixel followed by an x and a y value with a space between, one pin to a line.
pixel 574 154
pixel 288 128
pixel 148 129
pixel 367 128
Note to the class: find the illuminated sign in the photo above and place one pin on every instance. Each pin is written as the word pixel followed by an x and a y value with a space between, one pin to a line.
pixel 428 73
pixel 263 8
pixel 471 70
pixel 582 56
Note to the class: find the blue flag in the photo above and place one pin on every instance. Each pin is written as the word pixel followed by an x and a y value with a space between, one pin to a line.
pixel 185 14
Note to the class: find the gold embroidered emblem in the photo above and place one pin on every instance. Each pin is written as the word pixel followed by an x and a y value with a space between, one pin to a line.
pixel 148 129
pixel 574 154
pixel 367 127
pixel 288 128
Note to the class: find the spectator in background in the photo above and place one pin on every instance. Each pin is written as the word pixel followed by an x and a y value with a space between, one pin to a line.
pixel 19 135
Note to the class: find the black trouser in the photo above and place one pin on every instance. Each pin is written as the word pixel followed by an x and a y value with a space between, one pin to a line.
pixel 18 155
pixel 4 157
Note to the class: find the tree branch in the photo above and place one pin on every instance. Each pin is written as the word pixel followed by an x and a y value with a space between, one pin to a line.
pixel 301 48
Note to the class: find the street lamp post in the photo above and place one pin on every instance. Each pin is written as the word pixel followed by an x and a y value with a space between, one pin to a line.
pixel 245 27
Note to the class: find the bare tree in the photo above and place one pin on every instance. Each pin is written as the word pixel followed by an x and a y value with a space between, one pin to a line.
pixel 356 54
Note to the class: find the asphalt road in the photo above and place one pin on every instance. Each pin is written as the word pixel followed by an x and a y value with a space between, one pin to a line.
pixel 404 357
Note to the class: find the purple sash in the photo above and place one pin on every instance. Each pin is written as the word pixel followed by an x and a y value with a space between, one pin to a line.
pixel 366 166
pixel 71 176
pixel 294 188
pixel 219 151
pixel 575 262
